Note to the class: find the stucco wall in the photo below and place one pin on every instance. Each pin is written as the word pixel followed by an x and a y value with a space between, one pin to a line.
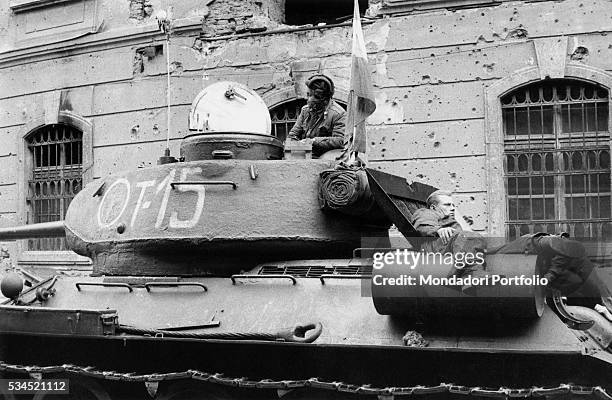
pixel 430 70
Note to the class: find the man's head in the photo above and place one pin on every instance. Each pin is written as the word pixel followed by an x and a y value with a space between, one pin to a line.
pixel 320 91
pixel 442 202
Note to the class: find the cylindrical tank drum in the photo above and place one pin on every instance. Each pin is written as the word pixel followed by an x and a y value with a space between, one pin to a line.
pixel 511 288
pixel 230 121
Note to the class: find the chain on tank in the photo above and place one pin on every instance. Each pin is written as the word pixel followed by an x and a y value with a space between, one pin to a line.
pixel 315 383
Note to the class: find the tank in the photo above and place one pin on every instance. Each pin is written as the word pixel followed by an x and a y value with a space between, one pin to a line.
pixel 247 270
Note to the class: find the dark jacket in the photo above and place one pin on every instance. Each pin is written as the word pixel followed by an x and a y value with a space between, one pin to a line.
pixel 563 271
pixel 329 126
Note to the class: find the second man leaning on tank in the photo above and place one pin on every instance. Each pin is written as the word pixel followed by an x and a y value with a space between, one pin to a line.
pixel 321 119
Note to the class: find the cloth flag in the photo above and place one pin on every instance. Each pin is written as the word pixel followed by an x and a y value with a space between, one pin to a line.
pixel 361 95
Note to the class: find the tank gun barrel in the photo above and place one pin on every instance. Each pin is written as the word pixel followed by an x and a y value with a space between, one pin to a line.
pixel 43 229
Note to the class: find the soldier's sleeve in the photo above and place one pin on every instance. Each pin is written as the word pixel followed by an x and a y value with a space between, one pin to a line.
pixel 560 276
pixel 425 222
pixel 297 132
pixel 336 139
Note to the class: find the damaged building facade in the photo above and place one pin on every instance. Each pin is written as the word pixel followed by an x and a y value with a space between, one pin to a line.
pixel 505 103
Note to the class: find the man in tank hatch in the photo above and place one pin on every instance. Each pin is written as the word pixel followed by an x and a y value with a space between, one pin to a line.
pixel 322 119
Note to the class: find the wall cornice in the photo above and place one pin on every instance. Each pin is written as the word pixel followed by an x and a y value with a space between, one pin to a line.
pixel 394 7
pixel 129 36
pixel 23 5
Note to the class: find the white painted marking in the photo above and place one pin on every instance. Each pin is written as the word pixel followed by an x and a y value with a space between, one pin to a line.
pixel 165 184
pixel 190 223
pixel 143 188
pixel 111 206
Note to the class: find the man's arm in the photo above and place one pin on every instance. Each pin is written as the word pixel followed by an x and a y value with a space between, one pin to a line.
pixel 425 222
pixel 560 276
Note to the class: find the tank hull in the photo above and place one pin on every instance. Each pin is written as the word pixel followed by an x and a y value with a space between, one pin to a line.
pixel 357 345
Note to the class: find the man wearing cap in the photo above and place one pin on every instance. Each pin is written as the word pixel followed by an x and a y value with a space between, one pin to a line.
pixel 321 119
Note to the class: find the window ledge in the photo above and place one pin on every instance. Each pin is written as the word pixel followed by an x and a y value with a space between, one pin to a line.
pixel 18 6
pixel 58 258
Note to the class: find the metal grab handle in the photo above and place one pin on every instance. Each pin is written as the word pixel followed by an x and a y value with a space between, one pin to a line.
pixel 103 284
pixel 298 333
pixel 222 154
pixel 234 277
pixel 149 285
pixel 571 321
pixel 233 184
pixel 335 276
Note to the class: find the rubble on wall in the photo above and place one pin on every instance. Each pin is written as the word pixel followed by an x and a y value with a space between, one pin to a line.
pixel 230 17
pixel 140 9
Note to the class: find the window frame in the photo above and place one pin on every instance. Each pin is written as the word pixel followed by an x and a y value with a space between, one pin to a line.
pixel 60 257
pixel 494 133
pixel 556 145
pixel 53 176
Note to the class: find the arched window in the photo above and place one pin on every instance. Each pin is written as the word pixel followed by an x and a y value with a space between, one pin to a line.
pixel 284 116
pixel 56 177
pixel 557 159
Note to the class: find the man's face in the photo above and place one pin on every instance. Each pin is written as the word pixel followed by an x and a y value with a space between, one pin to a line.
pixel 315 102
pixel 445 206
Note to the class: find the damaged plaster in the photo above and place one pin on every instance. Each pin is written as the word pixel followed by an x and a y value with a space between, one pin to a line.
pixel 140 9
pixel 230 17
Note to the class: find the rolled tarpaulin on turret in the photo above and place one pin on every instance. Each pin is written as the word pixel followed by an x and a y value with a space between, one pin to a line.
pixel 345 190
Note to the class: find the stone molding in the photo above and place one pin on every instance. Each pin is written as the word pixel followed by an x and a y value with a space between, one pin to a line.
pixel 391 7
pixel 128 36
pixel 24 5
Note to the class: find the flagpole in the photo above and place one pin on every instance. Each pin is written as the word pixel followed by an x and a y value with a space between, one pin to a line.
pixel 361 102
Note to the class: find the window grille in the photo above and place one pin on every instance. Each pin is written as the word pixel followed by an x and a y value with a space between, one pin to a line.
pixel 57 159
pixel 557 159
pixel 284 117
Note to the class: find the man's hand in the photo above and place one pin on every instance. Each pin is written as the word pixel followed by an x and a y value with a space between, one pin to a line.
pixel 445 234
